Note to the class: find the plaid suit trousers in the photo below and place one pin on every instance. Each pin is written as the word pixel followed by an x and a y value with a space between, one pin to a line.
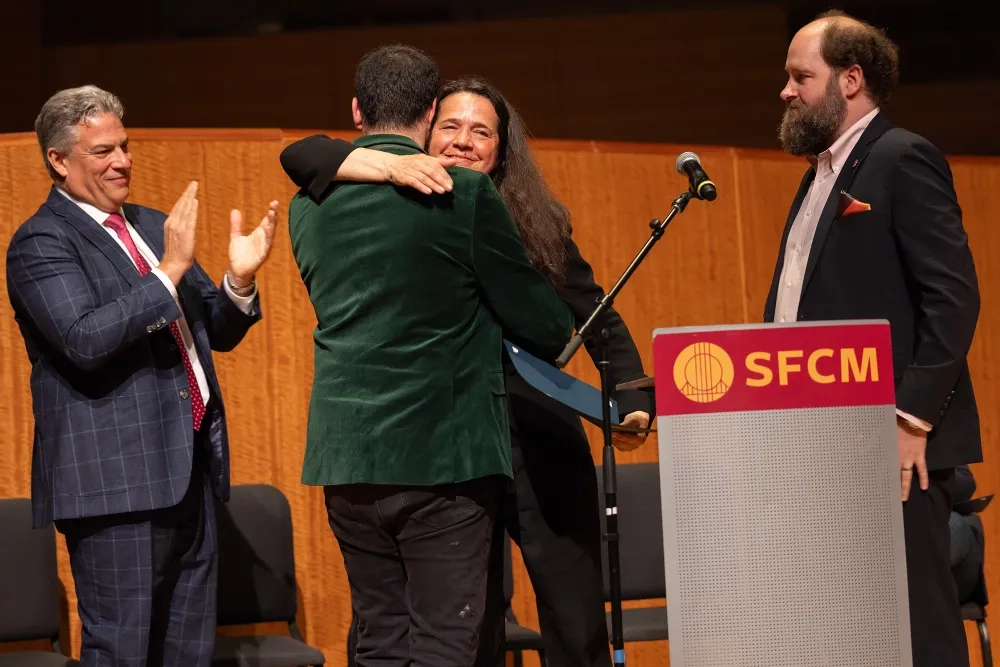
pixel 146 582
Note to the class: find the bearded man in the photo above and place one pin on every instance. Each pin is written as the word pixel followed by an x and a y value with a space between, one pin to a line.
pixel 875 232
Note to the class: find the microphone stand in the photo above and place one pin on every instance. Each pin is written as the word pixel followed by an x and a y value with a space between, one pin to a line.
pixel 602 338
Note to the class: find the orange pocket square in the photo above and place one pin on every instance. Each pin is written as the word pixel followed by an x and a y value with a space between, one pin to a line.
pixel 848 205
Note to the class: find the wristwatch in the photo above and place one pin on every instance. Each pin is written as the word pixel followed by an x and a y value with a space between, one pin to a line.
pixel 246 290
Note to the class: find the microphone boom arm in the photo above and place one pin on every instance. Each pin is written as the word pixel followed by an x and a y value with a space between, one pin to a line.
pixel 658 227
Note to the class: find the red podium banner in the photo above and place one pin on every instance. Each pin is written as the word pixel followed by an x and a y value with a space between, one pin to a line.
pixel 736 369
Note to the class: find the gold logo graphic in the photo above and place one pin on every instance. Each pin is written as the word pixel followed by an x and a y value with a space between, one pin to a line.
pixel 703 372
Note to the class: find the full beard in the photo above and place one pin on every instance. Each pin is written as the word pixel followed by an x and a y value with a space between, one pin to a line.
pixel 810 130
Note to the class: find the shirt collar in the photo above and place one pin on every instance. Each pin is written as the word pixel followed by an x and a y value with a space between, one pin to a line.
pixel 99 216
pixel 368 140
pixel 833 158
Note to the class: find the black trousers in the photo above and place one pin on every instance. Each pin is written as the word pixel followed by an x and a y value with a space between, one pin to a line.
pixel 416 560
pixel 938 633
pixel 552 514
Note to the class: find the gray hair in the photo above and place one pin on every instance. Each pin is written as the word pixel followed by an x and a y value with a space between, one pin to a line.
pixel 56 125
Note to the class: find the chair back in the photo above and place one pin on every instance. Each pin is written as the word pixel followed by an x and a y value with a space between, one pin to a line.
pixel 640 530
pixel 971 509
pixel 972 505
pixel 256 557
pixel 29 578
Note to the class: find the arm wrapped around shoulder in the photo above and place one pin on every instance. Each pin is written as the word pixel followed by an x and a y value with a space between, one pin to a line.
pixel 312 163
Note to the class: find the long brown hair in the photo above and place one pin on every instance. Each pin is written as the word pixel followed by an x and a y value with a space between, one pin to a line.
pixel 543 221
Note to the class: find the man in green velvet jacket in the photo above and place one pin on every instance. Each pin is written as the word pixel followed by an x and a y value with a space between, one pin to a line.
pixel 408 431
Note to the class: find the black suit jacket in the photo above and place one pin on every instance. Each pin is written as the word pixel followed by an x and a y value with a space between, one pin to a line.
pixel 906 260
pixel 311 164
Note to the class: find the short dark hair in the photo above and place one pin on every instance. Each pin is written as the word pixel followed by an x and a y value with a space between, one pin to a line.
pixel 848 41
pixel 395 86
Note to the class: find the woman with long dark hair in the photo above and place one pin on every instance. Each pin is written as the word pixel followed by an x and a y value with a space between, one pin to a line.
pixel 552 510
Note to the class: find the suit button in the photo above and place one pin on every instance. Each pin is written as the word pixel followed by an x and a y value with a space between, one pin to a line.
pixel 184 394
pixel 173 347
pixel 163 320
pixel 150 329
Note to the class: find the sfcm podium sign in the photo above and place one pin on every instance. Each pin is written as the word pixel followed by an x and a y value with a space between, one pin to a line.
pixel 779 472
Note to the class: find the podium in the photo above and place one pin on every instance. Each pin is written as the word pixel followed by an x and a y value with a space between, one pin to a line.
pixel 780 492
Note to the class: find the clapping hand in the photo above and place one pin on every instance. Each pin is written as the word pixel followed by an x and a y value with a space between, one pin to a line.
pixel 247 252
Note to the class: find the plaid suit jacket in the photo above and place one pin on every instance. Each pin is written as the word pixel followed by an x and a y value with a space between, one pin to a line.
pixel 113 429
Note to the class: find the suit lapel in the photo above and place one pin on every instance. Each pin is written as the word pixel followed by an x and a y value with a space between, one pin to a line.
pixel 92 231
pixel 144 229
pixel 876 128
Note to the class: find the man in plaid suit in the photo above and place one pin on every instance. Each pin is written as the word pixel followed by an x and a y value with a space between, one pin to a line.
pixel 130 441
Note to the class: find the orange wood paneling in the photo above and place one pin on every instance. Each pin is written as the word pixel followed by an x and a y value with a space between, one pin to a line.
pixel 713 266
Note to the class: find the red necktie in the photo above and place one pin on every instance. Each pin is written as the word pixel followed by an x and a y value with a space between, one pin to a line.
pixel 117 223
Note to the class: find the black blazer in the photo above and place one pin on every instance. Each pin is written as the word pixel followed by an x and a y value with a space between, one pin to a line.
pixel 906 260
pixel 311 164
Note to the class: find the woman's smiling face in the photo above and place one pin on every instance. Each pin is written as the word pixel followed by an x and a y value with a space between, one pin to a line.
pixel 467 129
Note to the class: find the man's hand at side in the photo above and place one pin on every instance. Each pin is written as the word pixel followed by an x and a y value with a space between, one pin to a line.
pixel 912 443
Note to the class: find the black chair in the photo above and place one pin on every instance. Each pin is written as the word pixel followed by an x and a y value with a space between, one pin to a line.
pixel 519 638
pixel 974 609
pixel 29 587
pixel 257 580
pixel 640 548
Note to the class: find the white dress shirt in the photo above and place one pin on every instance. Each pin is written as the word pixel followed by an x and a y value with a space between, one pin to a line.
pixel 244 303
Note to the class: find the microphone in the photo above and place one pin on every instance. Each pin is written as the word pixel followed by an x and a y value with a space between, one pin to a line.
pixel 689 163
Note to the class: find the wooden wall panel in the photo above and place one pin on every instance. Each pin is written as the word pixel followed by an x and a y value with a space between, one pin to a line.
pixel 712 266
